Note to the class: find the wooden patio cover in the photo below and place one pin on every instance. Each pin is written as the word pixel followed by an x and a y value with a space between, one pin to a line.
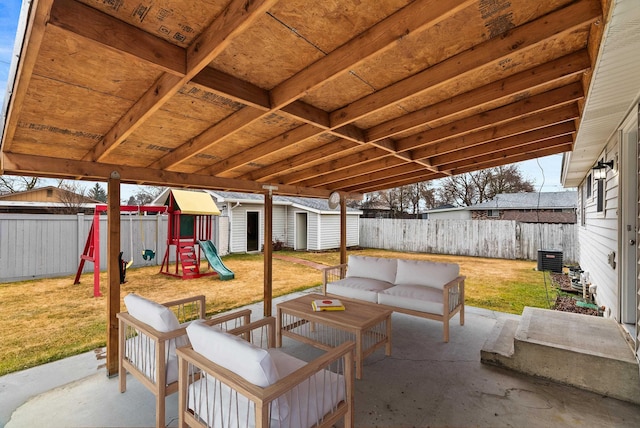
pixel 309 96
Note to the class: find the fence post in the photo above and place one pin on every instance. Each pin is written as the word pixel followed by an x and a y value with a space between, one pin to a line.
pixel 80 242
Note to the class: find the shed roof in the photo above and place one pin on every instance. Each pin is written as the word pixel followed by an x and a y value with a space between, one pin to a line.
pixel 313 204
pixel 310 96
pixel 531 200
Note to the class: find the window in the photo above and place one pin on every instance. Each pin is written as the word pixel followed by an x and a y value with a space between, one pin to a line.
pixel 589 180
pixel 493 213
pixel 49 193
pixel 600 199
pixel 583 203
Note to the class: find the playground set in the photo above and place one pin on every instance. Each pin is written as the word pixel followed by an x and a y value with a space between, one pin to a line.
pixel 188 238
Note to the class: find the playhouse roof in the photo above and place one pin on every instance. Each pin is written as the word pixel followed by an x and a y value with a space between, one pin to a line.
pixel 194 202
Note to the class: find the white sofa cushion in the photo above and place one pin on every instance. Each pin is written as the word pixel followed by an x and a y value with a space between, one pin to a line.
pixel 380 268
pixel 416 297
pixel 233 353
pixel 365 289
pixel 426 273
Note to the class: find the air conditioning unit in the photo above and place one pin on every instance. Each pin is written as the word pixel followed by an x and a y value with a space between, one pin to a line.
pixel 550 260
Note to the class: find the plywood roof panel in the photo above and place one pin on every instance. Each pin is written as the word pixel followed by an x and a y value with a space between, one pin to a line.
pixel 310 96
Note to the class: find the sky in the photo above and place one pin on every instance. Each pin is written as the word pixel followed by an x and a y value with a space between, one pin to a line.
pixel 543 172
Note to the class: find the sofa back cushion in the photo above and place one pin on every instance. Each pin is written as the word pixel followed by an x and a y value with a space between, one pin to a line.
pixel 379 268
pixel 149 312
pixel 233 353
pixel 425 273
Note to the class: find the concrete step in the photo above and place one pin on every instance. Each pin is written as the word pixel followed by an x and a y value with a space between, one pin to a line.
pixel 588 352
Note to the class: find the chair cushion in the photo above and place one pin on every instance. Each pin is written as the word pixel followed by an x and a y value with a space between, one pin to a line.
pixel 218 406
pixel 358 288
pixel 380 268
pixel 149 312
pixel 157 316
pixel 233 353
pixel 426 273
pixel 416 297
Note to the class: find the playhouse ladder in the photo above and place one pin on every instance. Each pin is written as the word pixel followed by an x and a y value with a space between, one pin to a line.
pixel 189 261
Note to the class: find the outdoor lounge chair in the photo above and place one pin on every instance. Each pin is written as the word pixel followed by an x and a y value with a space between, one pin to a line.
pixel 149 334
pixel 236 379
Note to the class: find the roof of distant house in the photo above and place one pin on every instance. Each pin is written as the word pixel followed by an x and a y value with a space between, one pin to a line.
pixel 532 200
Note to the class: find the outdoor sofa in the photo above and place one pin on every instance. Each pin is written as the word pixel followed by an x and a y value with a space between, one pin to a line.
pixel 149 334
pixel 422 288
pixel 238 379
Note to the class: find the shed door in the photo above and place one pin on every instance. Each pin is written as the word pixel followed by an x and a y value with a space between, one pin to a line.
pixel 253 233
pixel 301 231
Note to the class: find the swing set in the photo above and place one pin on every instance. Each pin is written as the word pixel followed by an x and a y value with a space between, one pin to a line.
pixel 91 251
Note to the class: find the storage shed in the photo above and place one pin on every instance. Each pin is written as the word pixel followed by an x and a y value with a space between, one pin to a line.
pixel 298 223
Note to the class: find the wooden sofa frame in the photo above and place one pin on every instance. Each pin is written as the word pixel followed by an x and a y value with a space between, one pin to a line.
pixel 191 364
pixel 186 309
pixel 452 298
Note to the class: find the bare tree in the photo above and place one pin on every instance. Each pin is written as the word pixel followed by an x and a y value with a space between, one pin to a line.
pixel 14 184
pixel 483 185
pixel 72 195
pixel 145 195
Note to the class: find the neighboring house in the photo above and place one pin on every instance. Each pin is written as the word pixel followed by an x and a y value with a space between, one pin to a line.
pixel 376 210
pixel 608 138
pixel 447 212
pixel 543 207
pixel 298 223
pixel 47 200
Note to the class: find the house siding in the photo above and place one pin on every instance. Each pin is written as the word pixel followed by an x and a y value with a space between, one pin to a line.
pixel 313 231
pixel 598 238
pixel 238 219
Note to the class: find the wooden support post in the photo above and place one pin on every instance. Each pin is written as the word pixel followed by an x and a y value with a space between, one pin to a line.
pixel 113 272
pixel 343 229
pixel 268 250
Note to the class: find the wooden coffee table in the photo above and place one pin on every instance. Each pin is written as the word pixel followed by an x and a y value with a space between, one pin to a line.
pixel 368 324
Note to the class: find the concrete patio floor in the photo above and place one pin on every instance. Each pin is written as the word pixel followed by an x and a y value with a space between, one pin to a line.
pixel 425 383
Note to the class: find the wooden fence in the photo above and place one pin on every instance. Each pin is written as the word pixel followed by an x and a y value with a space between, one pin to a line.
pixel 45 245
pixel 37 246
pixel 504 239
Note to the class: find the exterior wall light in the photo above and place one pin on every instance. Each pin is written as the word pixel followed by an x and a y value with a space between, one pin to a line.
pixel 600 170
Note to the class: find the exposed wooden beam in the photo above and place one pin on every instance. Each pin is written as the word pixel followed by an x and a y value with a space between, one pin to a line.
pixel 300 160
pixel 396 181
pixel 520 109
pixel 232 88
pixel 561 129
pixel 236 17
pixel 416 16
pixel 522 156
pixel 359 165
pixel 114 34
pixel 19 164
pixel 519 83
pixel 379 174
pixel 282 141
pixel 208 138
pixel 507 153
pixel 491 52
pixel 516 127
pixel 34 35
